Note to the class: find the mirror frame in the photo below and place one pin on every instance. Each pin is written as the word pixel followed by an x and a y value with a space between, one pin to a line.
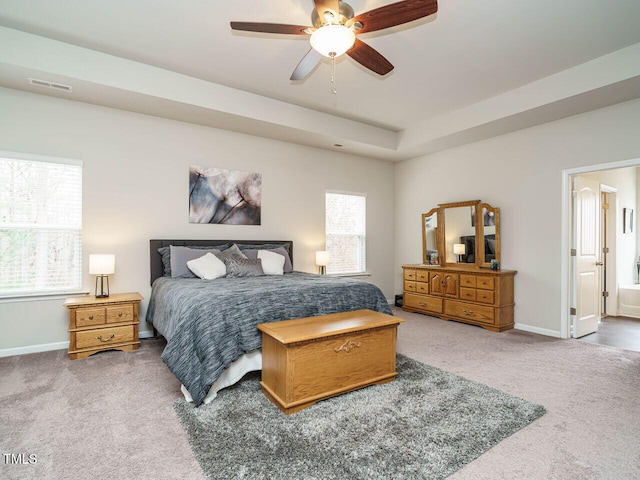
pixel 479 232
pixel 480 221
pixel 424 236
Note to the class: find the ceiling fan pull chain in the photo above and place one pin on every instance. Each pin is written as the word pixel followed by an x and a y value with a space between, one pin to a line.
pixel 333 73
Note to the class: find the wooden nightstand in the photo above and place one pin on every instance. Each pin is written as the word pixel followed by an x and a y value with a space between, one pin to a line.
pixel 98 324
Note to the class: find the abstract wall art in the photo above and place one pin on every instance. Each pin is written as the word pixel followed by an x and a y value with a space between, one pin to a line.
pixel 217 195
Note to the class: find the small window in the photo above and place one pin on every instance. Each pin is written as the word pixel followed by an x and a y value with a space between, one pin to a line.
pixel 345 232
pixel 40 225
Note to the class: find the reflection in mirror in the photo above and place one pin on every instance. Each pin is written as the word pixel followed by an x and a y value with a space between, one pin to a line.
pixel 460 235
pixel 490 225
pixel 429 238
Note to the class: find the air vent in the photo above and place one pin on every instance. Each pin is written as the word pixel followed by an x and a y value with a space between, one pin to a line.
pixel 46 84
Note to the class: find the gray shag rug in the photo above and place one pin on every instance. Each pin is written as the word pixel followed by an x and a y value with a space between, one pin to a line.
pixel 426 424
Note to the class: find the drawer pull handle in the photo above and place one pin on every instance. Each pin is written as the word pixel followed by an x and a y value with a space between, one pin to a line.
pixel 422 304
pixel 113 335
pixel 347 346
pixel 469 312
pixel 90 317
pixel 120 314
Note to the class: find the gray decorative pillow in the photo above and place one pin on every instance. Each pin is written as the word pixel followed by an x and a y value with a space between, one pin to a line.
pixel 181 255
pixel 243 267
pixel 253 254
pixel 165 252
pixel 232 251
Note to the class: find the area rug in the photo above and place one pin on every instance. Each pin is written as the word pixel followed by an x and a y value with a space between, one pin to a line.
pixel 426 424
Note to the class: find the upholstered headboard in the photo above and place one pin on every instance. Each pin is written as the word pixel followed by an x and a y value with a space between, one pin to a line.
pixel 156 259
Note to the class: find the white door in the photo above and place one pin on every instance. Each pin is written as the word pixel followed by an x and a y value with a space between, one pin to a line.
pixel 587 244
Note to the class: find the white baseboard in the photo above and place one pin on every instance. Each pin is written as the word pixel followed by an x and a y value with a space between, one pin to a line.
pixel 538 330
pixel 46 347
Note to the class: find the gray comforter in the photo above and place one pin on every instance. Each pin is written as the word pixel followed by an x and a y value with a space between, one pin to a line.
pixel 210 323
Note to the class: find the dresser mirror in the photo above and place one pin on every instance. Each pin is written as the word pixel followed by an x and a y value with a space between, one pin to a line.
pixel 461 233
pixel 430 237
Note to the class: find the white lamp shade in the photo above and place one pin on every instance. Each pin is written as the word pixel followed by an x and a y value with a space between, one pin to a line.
pixel 332 39
pixel 322 258
pixel 102 264
pixel 459 248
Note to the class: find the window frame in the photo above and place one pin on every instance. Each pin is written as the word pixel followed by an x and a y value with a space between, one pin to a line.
pixel 75 287
pixel 358 273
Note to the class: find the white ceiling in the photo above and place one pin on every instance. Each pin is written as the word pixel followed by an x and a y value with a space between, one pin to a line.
pixel 473 70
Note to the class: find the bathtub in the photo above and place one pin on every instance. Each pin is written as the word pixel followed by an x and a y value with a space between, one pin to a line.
pixel 629 300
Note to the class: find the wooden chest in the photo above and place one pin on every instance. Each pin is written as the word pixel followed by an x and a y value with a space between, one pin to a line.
pixel 310 359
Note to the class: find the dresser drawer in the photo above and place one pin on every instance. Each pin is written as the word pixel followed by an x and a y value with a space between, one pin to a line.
pixel 409 274
pixel 422 276
pixel 86 317
pixel 485 296
pixel 120 314
pixel 103 337
pixel 463 310
pixel 409 286
pixel 423 303
pixel 422 287
pixel 485 283
pixel 468 294
pixel 468 281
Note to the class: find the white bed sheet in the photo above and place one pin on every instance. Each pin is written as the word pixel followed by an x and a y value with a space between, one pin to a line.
pixel 247 363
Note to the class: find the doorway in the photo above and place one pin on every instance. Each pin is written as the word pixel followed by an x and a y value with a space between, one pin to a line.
pixel 622 248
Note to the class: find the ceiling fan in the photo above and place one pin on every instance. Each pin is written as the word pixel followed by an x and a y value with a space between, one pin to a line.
pixel 335 27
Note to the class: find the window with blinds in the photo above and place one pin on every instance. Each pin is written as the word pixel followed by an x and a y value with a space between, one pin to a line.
pixel 345 232
pixel 40 225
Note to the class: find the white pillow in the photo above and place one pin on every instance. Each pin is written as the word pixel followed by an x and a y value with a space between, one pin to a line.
pixel 272 263
pixel 207 267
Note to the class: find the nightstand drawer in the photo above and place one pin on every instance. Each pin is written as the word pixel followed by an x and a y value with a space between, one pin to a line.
pixel 86 317
pixel 103 337
pixel 120 313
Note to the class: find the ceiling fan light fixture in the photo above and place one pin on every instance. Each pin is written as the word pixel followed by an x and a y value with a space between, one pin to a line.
pixel 332 40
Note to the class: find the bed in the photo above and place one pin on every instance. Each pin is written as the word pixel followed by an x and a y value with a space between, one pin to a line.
pixel 210 325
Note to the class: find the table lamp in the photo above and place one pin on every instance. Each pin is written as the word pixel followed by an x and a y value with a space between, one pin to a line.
pixel 459 249
pixel 102 265
pixel 322 260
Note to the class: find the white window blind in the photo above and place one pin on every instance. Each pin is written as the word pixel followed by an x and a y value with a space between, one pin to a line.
pixel 40 225
pixel 345 232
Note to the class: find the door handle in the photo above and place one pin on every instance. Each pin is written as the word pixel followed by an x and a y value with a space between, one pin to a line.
pixel 598 264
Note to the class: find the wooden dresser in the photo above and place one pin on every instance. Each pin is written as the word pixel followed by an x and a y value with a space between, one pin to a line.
pixel 463 293
pixel 98 324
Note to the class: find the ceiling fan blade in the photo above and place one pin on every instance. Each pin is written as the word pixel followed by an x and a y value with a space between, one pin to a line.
pixel 370 58
pixel 272 28
pixel 308 63
pixel 394 14
pixel 324 5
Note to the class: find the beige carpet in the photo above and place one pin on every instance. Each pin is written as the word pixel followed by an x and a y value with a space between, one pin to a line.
pixel 111 416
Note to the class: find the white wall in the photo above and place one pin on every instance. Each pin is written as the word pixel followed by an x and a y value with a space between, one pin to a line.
pixel 522 174
pixel 135 183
